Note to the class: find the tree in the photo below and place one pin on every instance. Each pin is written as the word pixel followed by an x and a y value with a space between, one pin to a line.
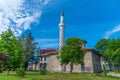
pixel 102 45
pixel 30 47
pixel 36 57
pixel 104 70
pixel 11 45
pixel 113 52
pixel 20 50
pixel 71 52
pixel 110 49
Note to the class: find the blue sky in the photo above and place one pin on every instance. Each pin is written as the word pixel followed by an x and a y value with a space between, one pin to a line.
pixel 90 20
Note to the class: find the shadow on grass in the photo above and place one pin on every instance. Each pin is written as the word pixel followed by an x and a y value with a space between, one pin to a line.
pixel 38 73
pixel 5 74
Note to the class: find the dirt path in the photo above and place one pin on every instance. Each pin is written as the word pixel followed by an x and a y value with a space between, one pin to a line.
pixel 113 74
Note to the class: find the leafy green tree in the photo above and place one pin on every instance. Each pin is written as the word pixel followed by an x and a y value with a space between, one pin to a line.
pixel 113 52
pixel 102 45
pixel 30 47
pixel 71 52
pixel 36 57
pixel 110 50
pixel 11 45
pixel 21 50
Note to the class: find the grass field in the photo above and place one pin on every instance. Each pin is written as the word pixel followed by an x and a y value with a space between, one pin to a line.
pixel 34 75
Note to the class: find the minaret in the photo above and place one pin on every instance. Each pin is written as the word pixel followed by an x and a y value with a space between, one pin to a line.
pixel 61 34
pixel 61 39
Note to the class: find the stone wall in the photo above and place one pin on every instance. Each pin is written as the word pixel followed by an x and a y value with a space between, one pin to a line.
pixel 87 67
pixel 33 66
pixel 96 63
pixel 91 64
pixel 52 63
pixel 88 62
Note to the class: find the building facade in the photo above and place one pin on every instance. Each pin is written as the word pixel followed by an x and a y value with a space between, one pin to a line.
pixel 48 57
pixel 92 63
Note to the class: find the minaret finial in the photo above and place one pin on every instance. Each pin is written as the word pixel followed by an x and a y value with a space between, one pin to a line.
pixel 62 17
pixel 62 12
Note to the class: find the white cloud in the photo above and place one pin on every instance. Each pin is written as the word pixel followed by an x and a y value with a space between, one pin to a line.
pixel 110 32
pixel 19 14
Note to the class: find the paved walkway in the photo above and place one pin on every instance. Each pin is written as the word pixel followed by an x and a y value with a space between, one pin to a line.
pixel 114 74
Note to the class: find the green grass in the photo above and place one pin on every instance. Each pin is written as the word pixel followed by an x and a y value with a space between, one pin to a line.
pixel 34 75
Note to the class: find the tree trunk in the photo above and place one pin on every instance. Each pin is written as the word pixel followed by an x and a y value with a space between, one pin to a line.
pixel 8 71
pixel 0 66
pixel 0 69
pixel 113 65
pixel 71 67
pixel 26 65
pixel 35 65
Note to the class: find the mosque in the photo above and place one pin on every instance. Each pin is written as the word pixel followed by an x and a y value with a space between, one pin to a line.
pixel 48 57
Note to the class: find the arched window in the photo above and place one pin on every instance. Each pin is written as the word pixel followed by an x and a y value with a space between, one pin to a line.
pixel 41 64
pixel 82 67
pixel 41 58
pixel 45 58
pixel 45 65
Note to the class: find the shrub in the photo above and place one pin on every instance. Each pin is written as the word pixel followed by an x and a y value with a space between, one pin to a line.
pixel 104 70
pixel 20 72
pixel 43 71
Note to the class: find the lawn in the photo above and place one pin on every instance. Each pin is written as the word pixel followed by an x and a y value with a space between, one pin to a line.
pixel 34 75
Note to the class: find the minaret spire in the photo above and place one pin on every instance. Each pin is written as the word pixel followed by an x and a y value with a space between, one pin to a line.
pixel 62 13
pixel 61 26
pixel 62 17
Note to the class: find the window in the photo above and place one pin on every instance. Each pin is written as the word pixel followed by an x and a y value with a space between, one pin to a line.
pixel 82 67
pixel 45 58
pixel 45 65
pixel 41 65
pixel 71 66
pixel 96 58
pixel 41 59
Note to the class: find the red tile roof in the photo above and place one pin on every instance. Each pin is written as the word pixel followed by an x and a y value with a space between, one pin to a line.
pixel 54 52
pixel 86 49
pixel 49 52
pixel 93 50
pixel 45 52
